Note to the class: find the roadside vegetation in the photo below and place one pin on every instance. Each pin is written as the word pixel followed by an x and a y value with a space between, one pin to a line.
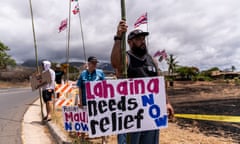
pixel 5 59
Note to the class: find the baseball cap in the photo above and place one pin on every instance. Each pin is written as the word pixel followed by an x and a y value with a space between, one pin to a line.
pixel 92 59
pixel 135 33
pixel 58 65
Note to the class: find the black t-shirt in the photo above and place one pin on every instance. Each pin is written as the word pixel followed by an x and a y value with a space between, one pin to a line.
pixel 58 77
pixel 141 67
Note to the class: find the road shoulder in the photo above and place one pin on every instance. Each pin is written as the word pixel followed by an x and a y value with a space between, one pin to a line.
pixel 33 130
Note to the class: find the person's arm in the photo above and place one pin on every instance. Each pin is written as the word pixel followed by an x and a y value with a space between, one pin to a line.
pixel 116 55
pixel 116 50
pixel 170 109
pixel 52 83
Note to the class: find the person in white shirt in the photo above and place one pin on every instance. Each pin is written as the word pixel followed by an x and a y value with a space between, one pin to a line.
pixel 48 89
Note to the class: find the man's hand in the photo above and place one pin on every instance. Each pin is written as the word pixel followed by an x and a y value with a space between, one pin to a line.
pixel 170 111
pixel 122 27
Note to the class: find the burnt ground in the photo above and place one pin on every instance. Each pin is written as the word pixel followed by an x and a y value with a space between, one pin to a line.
pixel 211 98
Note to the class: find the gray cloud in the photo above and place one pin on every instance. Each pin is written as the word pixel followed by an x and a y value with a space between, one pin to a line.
pixel 199 33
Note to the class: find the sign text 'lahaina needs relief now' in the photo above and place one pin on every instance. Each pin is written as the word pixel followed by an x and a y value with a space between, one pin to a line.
pixel 126 105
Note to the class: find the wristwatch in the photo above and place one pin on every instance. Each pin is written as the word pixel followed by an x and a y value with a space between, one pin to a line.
pixel 117 38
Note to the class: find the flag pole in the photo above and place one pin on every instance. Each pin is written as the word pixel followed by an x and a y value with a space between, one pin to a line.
pixel 123 42
pixel 147 30
pixel 83 44
pixel 68 42
pixel 36 55
pixel 123 52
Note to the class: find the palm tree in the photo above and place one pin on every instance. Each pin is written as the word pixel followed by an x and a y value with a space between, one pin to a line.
pixel 233 68
pixel 172 63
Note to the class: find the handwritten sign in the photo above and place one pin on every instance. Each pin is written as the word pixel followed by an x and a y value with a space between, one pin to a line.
pixel 126 105
pixel 75 119
pixel 39 80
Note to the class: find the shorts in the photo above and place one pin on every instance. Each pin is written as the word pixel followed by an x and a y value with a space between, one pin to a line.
pixel 47 96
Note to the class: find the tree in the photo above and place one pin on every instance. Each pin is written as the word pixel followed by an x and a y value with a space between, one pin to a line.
pixel 172 63
pixel 233 68
pixel 187 73
pixel 5 59
pixel 208 72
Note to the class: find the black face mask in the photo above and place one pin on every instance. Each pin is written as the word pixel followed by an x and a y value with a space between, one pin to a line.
pixel 139 51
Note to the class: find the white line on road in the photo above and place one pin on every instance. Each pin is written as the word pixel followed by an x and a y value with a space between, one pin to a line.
pixel 12 91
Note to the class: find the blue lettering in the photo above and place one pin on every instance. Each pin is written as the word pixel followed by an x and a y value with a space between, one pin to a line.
pixel 154 111
pixel 84 127
pixel 68 126
pixel 147 100
pixel 77 126
pixel 161 121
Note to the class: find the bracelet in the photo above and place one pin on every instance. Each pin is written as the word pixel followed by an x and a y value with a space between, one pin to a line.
pixel 117 38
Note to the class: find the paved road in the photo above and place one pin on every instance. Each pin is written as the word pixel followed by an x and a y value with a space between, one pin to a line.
pixel 13 104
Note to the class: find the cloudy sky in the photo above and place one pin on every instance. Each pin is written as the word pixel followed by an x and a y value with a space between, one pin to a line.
pixel 202 33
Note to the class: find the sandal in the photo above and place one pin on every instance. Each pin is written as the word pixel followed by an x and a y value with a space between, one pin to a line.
pixel 45 118
pixel 49 118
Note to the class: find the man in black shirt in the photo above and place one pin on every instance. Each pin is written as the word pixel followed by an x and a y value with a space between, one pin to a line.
pixel 59 73
pixel 140 64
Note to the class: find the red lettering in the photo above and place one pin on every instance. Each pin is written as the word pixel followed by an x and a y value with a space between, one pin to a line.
pixel 153 86
pixel 131 87
pixel 139 84
pixel 88 91
pixel 122 88
pixel 98 90
pixel 69 116
pixel 106 88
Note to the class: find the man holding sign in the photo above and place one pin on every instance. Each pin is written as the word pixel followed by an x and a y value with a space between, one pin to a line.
pixel 139 64
pixel 48 89
pixel 90 74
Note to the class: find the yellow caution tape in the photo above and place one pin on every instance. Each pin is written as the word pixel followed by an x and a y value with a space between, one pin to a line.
pixel 221 118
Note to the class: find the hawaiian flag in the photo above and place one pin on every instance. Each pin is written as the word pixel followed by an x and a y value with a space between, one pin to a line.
pixel 76 9
pixel 141 20
pixel 162 55
pixel 63 25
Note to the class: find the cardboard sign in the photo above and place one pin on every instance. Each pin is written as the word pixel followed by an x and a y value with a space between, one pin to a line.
pixel 75 119
pixel 39 80
pixel 126 105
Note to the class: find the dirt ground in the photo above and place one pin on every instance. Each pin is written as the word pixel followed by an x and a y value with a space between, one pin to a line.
pixel 4 84
pixel 213 98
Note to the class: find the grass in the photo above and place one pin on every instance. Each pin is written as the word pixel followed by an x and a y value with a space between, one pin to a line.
pixel 9 84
